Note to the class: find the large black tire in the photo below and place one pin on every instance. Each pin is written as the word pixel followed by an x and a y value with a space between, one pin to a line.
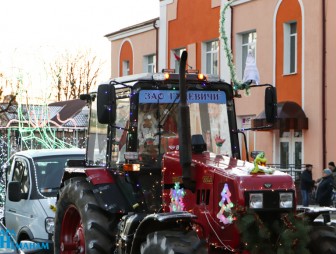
pixel 173 242
pixel 322 240
pixel 96 227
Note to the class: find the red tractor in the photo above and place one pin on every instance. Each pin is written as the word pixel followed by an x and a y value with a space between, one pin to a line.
pixel 162 174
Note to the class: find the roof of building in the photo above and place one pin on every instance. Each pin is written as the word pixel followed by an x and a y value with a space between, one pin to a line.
pixel 151 21
pixel 70 114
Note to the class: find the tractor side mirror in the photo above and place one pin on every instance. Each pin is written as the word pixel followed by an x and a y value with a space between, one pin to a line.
pixel 271 105
pixel 106 104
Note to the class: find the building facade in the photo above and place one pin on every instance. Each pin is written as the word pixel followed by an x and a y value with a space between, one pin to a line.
pixel 291 42
pixel 134 49
pixel 294 52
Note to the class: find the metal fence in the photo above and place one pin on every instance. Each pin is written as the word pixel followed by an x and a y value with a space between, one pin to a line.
pixel 12 140
pixel 294 170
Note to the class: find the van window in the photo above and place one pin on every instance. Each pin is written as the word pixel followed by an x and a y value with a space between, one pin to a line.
pixel 49 171
pixel 21 174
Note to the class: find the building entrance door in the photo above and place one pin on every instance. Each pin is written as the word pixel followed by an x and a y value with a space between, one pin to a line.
pixel 291 148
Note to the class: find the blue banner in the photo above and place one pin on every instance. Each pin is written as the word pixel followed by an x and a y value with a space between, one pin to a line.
pixel 169 96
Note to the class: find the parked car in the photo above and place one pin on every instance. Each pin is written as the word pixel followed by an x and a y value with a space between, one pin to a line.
pixel 33 181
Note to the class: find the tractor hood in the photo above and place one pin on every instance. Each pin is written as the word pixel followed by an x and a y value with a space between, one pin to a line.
pixel 244 171
pixel 240 171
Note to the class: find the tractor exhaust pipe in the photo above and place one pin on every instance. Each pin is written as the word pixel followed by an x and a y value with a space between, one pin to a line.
pixel 184 129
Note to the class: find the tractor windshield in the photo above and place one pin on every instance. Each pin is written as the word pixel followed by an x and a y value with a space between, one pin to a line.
pixel 158 121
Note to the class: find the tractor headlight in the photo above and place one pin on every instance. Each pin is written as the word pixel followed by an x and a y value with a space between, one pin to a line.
pixel 49 225
pixel 285 200
pixel 256 200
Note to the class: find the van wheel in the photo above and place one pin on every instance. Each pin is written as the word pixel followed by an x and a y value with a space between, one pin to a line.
pixel 81 226
pixel 173 242
pixel 322 240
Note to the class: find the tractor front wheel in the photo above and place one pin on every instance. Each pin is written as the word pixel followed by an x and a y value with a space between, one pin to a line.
pixel 322 240
pixel 173 242
pixel 81 226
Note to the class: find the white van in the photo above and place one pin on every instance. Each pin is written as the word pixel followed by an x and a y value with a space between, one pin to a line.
pixel 34 178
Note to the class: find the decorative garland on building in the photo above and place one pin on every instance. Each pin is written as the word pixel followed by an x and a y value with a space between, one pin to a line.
pixel 237 84
pixel 288 236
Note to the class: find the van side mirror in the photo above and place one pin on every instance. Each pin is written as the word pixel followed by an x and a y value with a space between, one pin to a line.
pixel 106 104
pixel 14 191
pixel 271 105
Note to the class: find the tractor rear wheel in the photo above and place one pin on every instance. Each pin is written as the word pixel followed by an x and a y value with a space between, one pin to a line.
pixel 322 240
pixel 81 226
pixel 173 242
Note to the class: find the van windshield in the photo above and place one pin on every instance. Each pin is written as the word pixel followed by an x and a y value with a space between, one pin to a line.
pixel 49 172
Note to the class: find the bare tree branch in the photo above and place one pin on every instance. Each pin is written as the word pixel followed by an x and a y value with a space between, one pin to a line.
pixel 9 99
pixel 74 74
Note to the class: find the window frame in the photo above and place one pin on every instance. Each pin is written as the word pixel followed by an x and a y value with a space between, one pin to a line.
pixel 206 53
pixel 125 67
pixel 289 60
pixel 147 65
pixel 250 45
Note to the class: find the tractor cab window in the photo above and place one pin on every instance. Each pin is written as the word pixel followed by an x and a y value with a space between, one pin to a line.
pixel 158 118
pixel 96 151
pixel 121 129
pixel 156 123
pixel 98 132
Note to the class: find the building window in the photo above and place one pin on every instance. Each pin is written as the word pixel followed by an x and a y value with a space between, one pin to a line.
pixel 249 41
pixel 290 48
pixel 150 64
pixel 211 56
pixel 246 44
pixel 125 69
pixel 176 57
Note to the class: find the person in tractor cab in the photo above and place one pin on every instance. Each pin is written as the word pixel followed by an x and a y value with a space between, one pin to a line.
pixel 156 122
pixel 147 129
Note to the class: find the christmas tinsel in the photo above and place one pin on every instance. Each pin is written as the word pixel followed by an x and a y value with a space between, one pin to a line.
pixel 237 84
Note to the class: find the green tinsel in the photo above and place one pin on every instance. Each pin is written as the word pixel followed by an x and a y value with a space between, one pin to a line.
pixel 288 235
pixel 33 127
pixel 237 84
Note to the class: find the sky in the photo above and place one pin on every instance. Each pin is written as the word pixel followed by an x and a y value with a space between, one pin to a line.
pixel 33 32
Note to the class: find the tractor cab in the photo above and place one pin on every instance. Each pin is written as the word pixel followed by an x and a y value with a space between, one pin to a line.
pixel 134 120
